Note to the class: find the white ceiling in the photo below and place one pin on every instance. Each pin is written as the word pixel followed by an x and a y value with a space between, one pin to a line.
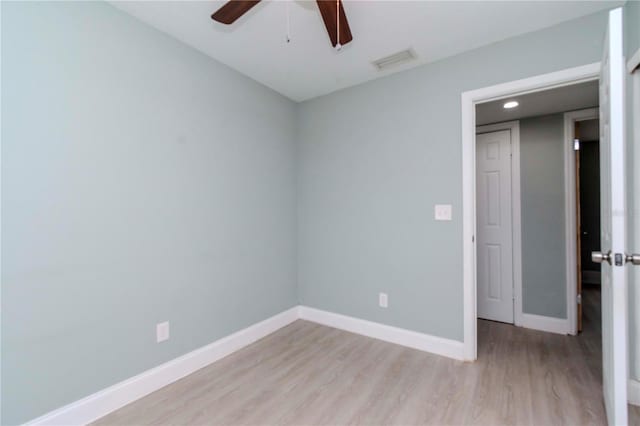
pixel 562 99
pixel 308 66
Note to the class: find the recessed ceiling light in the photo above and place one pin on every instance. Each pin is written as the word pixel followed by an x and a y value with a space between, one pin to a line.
pixel 511 104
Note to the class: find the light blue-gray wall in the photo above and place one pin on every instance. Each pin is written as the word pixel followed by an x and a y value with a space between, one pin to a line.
pixel 374 159
pixel 631 27
pixel 144 182
pixel 544 288
pixel 141 182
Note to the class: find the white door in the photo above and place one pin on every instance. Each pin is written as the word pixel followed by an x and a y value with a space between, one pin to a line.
pixel 613 228
pixel 494 245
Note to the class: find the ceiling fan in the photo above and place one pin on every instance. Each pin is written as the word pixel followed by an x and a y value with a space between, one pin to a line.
pixel 337 27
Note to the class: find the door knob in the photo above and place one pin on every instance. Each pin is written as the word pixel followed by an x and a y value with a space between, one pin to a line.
pixel 634 259
pixel 599 257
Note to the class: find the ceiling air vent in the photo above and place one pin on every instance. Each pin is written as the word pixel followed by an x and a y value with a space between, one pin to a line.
pixel 395 59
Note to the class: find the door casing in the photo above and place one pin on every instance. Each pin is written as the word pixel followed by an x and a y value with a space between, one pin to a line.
pixel 469 100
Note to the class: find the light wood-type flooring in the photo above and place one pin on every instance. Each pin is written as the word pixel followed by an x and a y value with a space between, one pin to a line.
pixel 308 374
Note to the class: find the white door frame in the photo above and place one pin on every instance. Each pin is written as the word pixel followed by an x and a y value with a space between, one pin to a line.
pixel 469 100
pixel 516 228
pixel 570 211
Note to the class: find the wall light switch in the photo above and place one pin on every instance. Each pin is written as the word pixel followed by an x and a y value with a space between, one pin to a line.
pixel 162 331
pixel 383 300
pixel 443 212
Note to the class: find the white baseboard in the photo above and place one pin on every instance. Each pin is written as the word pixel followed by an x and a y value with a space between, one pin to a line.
pixel 542 323
pixel 412 339
pixel 101 403
pixel 633 392
pixel 91 408
pixel 110 399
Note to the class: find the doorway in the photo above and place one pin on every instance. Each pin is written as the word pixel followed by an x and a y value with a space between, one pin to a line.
pixel 535 294
pixel 520 176
pixel 611 75
pixel 582 207
pixel 587 164
pixel 469 102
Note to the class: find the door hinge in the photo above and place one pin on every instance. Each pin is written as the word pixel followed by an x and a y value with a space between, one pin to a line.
pixel 579 299
pixel 576 144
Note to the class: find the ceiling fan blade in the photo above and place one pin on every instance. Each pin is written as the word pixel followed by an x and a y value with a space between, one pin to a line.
pixel 328 12
pixel 232 10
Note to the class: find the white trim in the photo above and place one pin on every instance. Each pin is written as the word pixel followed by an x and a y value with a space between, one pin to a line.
pixel 399 336
pixel 544 323
pixel 634 243
pixel 633 392
pixel 1 186
pixel 571 249
pixel 101 403
pixel 614 295
pixel 469 100
pixel 516 214
pixel 634 62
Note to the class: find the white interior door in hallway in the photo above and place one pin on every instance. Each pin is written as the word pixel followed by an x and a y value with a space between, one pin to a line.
pixel 613 224
pixel 494 226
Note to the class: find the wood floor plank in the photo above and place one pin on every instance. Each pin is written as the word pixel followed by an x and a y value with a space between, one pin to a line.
pixel 308 374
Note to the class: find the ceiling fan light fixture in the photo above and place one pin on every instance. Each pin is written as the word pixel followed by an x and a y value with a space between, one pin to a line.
pixel 395 59
pixel 334 18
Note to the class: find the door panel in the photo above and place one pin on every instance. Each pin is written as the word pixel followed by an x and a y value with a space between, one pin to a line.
pixel 613 226
pixel 494 245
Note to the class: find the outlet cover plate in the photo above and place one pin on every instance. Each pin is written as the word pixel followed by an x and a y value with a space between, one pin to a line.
pixel 443 212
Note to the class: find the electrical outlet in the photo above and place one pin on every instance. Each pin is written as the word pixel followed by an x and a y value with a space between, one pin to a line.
pixel 443 212
pixel 162 331
pixel 383 300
